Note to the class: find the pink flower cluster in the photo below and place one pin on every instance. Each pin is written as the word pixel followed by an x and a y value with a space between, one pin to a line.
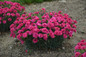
pixel 80 49
pixel 9 11
pixel 43 25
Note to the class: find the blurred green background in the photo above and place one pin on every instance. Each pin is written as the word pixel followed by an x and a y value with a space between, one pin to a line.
pixel 27 1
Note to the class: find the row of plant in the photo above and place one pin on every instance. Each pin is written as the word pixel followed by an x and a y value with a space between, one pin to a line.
pixel 9 12
pixel 39 30
pixel 27 1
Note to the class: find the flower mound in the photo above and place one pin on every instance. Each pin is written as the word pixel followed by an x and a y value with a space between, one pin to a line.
pixel 9 11
pixel 80 49
pixel 44 26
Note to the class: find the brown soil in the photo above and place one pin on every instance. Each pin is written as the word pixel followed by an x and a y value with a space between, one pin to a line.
pixel 75 8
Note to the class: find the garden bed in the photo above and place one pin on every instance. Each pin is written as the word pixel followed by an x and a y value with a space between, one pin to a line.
pixel 76 9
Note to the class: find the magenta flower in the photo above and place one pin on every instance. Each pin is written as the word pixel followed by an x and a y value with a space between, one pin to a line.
pixel 0 22
pixel 40 35
pixel 0 18
pixel 45 30
pixel 84 54
pixel 4 21
pixel 8 14
pixel 77 54
pixel 9 19
pixel 17 14
pixel 19 36
pixel 35 40
pixel 52 35
pixel 81 49
pixel 22 42
pixel 35 35
pixel 26 51
pixel 50 25
pixel 64 35
pixel 44 25
pixel 58 33
pixel 24 35
pixel 45 36
pixel 12 14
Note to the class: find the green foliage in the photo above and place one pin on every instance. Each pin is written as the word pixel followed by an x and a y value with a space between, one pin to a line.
pixel 50 44
pixel 27 1
pixel 48 0
pixel 38 1
pixel 81 51
pixel 18 1
pixel 32 1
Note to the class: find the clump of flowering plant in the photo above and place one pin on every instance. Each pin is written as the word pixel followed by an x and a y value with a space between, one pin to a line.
pixel 80 49
pixel 43 29
pixel 9 11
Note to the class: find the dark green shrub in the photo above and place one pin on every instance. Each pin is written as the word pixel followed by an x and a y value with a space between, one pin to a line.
pixel 27 1
pixel 32 1
pixel 38 1
pixel 50 44
pixel 48 0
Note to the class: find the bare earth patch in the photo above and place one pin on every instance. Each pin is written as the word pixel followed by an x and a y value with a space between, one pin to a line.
pixel 75 8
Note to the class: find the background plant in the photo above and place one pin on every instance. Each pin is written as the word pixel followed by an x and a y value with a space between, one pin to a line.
pixel 80 49
pixel 43 29
pixel 27 1
pixel 18 1
pixel 9 12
